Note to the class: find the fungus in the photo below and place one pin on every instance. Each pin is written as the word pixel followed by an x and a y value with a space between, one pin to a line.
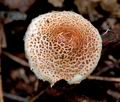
pixel 62 45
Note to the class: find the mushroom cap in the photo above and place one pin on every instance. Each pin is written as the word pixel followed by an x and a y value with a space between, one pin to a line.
pixel 62 45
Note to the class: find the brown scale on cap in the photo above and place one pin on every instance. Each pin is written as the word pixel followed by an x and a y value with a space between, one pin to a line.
pixel 62 45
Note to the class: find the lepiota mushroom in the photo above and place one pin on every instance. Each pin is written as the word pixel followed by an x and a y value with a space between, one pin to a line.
pixel 62 45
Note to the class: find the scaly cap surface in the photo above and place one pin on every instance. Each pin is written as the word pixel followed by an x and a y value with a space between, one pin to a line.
pixel 62 45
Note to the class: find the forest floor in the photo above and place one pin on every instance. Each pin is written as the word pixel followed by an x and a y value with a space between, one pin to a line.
pixel 19 84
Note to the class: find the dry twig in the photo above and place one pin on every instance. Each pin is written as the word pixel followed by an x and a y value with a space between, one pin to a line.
pixel 114 94
pixel 104 70
pixel 1 93
pixel 16 59
pixel 2 44
pixel 112 37
pixel 110 79
pixel 15 97
pixel 2 38
pixel 38 95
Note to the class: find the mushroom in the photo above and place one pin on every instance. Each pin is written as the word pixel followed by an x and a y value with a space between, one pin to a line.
pixel 62 45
